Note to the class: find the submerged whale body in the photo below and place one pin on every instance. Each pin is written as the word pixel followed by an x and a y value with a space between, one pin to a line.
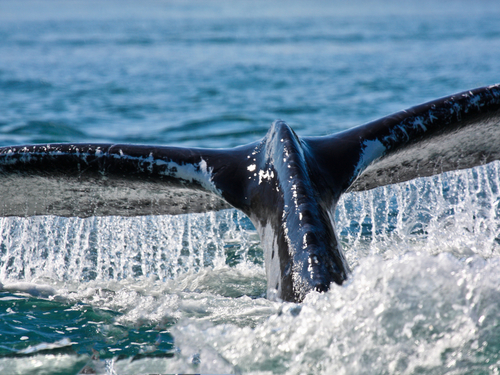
pixel 288 186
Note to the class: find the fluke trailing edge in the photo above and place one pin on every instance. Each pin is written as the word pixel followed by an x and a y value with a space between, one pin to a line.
pixel 288 186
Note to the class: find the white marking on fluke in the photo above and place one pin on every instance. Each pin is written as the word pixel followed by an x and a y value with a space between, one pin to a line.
pixel 371 151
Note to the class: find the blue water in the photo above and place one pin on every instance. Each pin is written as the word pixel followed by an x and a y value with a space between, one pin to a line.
pixel 185 294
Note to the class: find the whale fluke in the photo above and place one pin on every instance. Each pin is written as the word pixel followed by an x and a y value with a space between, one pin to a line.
pixel 288 186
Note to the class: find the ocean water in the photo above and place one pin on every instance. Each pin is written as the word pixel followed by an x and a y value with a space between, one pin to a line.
pixel 186 294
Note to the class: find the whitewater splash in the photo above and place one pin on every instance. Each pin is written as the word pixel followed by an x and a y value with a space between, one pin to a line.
pixel 115 248
pixel 456 212
pixel 422 296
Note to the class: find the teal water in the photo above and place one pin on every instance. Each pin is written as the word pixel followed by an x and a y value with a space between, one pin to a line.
pixel 186 294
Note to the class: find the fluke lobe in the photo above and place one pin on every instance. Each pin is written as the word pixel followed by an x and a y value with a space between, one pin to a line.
pixel 288 186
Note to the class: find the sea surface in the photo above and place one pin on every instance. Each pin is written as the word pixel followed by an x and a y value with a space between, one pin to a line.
pixel 186 294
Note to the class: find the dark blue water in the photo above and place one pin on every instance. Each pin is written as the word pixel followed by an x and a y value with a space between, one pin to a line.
pixel 185 294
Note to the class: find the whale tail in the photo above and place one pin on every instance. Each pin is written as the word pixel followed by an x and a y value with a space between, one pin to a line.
pixel 287 185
